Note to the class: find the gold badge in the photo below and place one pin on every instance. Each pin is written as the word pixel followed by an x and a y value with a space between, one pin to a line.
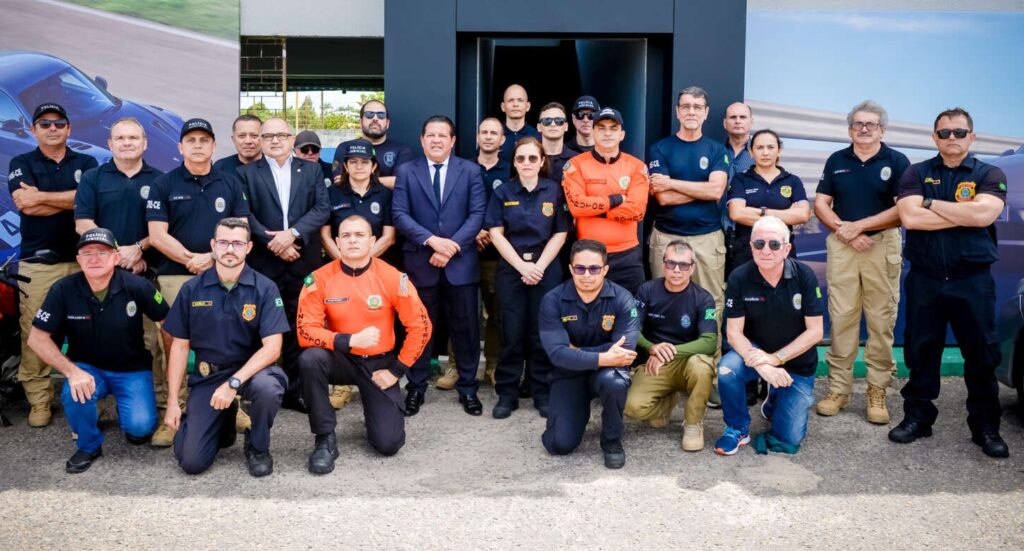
pixel 204 369
pixel 607 322
pixel 249 312
pixel 965 192
pixel 786 191
pixel 547 209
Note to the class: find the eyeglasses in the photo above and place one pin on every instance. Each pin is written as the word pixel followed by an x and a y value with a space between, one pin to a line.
pixel 692 107
pixel 759 244
pixel 869 126
pixel 223 244
pixel 580 269
pixel 280 136
pixel 61 124
pixel 369 115
pixel 103 255
pixel 527 158
pixel 580 115
pixel 553 121
pixel 959 133
pixel 309 149
pixel 672 265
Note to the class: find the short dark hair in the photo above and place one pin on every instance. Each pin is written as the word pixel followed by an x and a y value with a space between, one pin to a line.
pixel 247 117
pixel 553 105
pixel 955 112
pixel 362 109
pixel 545 168
pixel 696 91
pixel 584 245
pixel 232 223
pixel 678 246
pixel 438 118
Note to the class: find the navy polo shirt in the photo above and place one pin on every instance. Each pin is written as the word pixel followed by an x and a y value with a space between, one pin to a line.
pixel 388 154
pixel 774 316
pixel 860 189
pixel 116 202
pixel 375 207
pixel 56 231
pixel 556 163
pixel 675 318
pixel 192 206
pixel 782 192
pixel 738 162
pixel 575 146
pixel 574 333
pixel 228 164
pixel 511 137
pixel 691 161
pixel 493 177
pixel 960 251
pixel 529 218
pixel 106 334
pixel 227 326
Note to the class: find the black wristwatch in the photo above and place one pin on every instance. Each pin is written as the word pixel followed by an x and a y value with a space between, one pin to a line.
pixel 763 210
pixel 234 383
pixel 927 203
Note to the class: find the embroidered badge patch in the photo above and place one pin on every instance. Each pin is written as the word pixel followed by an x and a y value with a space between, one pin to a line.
pixel 249 312
pixel 607 322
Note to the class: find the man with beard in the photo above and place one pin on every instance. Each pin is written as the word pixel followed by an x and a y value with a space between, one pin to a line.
pixel 375 120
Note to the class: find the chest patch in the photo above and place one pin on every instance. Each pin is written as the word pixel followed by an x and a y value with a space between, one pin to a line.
pixel 965 191
pixel 786 191
pixel 249 312
pixel 144 192
pixel 798 301
pixel 131 309
pixel 686 322
pixel 375 207
pixel 703 163
pixel 624 182
pixel 374 302
pixel 219 204
pixel 886 172
pixel 547 209
pixel 607 322
pixel 335 300
pixel 569 318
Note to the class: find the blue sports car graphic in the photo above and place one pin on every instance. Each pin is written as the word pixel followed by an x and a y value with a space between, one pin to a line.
pixel 30 78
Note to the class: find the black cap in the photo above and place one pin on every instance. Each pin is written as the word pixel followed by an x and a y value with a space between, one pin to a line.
pixel 608 113
pixel 102 236
pixel 357 148
pixel 586 102
pixel 307 137
pixel 48 108
pixel 201 125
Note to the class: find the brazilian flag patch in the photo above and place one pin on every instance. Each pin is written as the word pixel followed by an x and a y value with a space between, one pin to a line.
pixel 308 281
pixel 817 292
pixel 158 298
pixel 710 314
pixel 632 312
pixel 278 302
pixel 1002 186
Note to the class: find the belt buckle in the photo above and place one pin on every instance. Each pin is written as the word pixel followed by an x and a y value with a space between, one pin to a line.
pixel 204 369
pixel 527 256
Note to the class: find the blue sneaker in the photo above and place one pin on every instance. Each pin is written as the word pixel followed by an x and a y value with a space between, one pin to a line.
pixel 731 441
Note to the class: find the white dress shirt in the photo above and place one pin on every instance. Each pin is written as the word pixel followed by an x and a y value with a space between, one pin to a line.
pixel 283 182
pixel 443 169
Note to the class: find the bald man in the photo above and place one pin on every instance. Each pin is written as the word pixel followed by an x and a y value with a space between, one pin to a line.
pixel 515 103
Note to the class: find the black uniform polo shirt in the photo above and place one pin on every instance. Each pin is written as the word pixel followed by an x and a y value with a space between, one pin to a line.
pixel 56 231
pixel 388 154
pixel 529 218
pixel 774 316
pixel 782 192
pixel 556 163
pixel 675 318
pixel 228 164
pixel 106 334
pixel 860 189
pixel 513 136
pixel 574 332
pixel 116 202
pixel 192 206
pixel 957 252
pixel 227 326
pixel 375 207
pixel 494 177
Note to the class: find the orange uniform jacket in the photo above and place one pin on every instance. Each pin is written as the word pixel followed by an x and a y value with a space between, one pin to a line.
pixel 334 304
pixel 607 198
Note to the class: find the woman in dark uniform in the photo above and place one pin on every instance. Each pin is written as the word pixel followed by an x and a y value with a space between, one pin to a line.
pixel 528 222
pixel 357 190
pixel 765 188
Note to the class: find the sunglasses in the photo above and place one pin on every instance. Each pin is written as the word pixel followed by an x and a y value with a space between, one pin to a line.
pixel 98 254
pixel 553 121
pixel 527 158
pixel 309 149
pixel 581 116
pixel 759 244
pixel 369 115
pixel 672 265
pixel 580 269
pixel 959 133
pixel 61 124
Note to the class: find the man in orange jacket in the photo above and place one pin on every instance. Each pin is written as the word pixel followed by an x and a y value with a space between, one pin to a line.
pixel 606 191
pixel 346 325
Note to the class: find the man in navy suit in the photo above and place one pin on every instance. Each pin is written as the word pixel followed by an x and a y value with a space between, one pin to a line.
pixel 286 240
pixel 438 205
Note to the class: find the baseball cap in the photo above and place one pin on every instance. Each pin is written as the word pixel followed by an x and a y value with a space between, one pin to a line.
pixel 101 236
pixel 202 125
pixel 307 137
pixel 609 114
pixel 48 108
pixel 586 102
pixel 357 148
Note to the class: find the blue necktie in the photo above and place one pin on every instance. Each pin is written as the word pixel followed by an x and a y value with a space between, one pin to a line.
pixel 437 182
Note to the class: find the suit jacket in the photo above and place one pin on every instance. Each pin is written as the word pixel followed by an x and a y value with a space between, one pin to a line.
pixel 308 210
pixel 459 217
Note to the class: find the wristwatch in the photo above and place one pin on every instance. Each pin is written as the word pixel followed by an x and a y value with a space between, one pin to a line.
pixel 763 211
pixel 295 232
pixel 781 357
pixel 234 383
pixel 927 203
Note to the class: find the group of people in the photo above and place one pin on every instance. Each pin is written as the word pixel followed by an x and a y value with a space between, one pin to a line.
pixel 284 274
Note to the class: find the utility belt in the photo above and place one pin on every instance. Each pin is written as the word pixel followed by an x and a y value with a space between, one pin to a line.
pixel 205 369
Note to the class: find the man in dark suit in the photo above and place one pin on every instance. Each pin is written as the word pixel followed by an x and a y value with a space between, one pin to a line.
pixel 287 240
pixel 438 205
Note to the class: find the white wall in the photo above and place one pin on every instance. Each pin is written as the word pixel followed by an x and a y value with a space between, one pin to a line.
pixel 351 18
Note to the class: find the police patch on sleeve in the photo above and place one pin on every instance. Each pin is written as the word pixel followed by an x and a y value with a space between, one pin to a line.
pixel 817 292
pixel 710 314
pixel 278 302
pixel 403 285
pixel 1002 186
pixel 632 312
pixel 568 168
pixel 158 298
pixel 309 282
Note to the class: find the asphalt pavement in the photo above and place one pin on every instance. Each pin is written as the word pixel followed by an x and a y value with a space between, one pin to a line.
pixel 479 483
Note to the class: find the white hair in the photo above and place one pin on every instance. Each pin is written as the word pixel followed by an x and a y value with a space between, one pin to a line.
pixel 771 223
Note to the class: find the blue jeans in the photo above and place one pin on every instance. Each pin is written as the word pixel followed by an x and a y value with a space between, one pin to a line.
pixel 787 406
pixel 136 405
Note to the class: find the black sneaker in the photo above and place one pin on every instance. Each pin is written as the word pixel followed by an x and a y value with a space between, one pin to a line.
pixel 614 455
pixel 81 461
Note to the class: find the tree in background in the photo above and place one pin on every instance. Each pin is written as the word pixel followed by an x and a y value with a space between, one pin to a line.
pixel 334 118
